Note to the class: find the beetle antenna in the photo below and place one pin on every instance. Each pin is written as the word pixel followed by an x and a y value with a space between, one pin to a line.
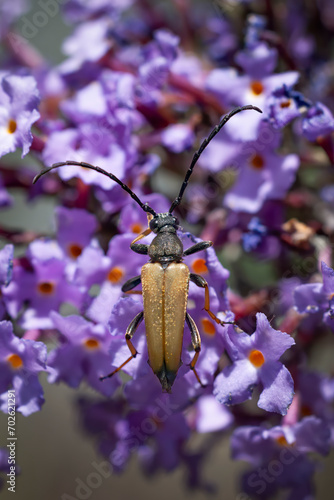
pixel 144 206
pixel 204 144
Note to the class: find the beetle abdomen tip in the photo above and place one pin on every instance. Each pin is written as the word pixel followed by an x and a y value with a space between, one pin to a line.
pixel 166 378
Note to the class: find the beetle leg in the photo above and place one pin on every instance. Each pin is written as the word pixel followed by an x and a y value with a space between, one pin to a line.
pixel 201 282
pixel 196 342
pixel 131 329
pixel 142 249
pixel 202 245
pixel 131 283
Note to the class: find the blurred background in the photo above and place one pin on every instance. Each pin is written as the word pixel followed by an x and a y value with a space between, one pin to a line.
pixel 52 451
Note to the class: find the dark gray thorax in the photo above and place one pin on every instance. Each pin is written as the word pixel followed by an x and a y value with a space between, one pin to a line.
pixel 166 246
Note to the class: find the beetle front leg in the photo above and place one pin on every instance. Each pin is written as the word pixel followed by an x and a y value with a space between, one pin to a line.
pixel 198 247
pixel 130 331
pixel 142 249
pixel 130 284
pixel 201 282
pixel 196 342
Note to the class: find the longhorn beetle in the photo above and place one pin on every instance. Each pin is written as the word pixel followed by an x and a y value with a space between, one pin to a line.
pixel 165 279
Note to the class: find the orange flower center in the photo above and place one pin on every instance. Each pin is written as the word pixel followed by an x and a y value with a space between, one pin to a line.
pixel 136 228
pixel 15 361
pixel 12 126
pixel 208 327
pixel 256 358
pixel 115 274
pixel 74 250
pixel 199 266
pixel 257 161
pixel 281 440
pixel 257 87
pixel 285 104
pixel 92 344
pixel 46 288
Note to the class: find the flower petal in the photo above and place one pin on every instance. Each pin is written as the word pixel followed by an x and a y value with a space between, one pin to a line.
pixel 278 387
pixel 235 384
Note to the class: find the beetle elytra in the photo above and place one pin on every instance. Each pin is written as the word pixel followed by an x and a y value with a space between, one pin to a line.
pixel 165 279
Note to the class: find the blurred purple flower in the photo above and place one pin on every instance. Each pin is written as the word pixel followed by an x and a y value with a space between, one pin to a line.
pixel 280 457
pixel 284 105
pixel 318 122
pixel 75 229
pixel 82 355
pixel 261 173
pixel 211 416
pixel 177 138
pixel 19 99
pixel 20 362
pixel 88 43
pixel 41 285
pixel 317 299
pixel 257 61
pixel 234 89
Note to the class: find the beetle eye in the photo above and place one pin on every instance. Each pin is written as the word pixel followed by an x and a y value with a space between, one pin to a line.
pixel 153 224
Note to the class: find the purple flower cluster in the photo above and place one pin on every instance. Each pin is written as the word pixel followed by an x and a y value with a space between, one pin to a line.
pixel 135 95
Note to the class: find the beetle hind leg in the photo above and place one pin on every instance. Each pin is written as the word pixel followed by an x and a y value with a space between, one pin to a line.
pixel 196 342
pixel 131 329
pixel 201 282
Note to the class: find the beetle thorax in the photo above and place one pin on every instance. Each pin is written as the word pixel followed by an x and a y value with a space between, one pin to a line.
pixel 166 246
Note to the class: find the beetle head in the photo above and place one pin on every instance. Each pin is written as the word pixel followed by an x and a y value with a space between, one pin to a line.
pixel 161 220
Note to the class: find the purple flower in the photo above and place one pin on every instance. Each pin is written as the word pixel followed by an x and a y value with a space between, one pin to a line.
pixel 88 43
pixel 157 433
pixel 255 360
pixel 20 362
pixel 261 174
pixel 155 64
pixel 318 122
pixel 233 89
pixel 316 299
pixel 41 285
pixel 119 265
pixel 19 99
pixel 75 229
pixel 109 156
pixel 83 354
pixel 316 396
pixel 280 456
pixel 220 38
pixel 210 416
pixel 258 60
pixel 177 138
pixel 284 105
